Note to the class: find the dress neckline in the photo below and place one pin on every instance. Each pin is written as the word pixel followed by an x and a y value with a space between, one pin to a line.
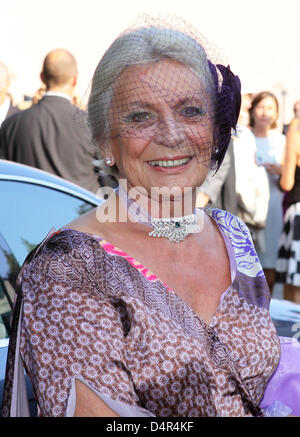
pixel 149 275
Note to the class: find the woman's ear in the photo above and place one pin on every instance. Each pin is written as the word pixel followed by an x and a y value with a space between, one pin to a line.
pixel 108 155
pixel 109 161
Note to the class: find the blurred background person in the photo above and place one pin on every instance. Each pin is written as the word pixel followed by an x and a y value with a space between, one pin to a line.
pixel 244 117
pixel 296 111
pixel 218 190
pixel 252 185
pixel 39 94
pixel 224 189
pixel 288 263
pixel 47 135
pixel 7 108
pixel 270 145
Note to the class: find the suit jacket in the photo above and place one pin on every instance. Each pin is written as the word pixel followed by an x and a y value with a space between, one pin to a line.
pixel 12 110
pixel 48 137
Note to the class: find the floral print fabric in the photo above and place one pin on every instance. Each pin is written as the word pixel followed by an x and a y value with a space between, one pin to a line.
pixel 92 312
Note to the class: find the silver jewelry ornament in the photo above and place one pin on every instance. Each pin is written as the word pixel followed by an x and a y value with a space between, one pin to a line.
pixel 175 229
pixel 108 161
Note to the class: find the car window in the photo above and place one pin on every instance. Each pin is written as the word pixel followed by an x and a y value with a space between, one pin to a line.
pixel 29 211
pixel 9 268
pixel 5 313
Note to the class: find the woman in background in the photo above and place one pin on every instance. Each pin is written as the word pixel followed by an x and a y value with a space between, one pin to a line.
pixel 252 184
pixel 269 153
pixel 288 263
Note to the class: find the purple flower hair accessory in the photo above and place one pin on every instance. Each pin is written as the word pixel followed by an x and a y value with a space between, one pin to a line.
pixel 227 107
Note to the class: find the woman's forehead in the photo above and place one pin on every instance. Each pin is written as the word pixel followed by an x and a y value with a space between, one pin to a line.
pixel 164 78
pixel 267 101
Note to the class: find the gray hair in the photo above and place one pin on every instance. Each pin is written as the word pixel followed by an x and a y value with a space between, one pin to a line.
pixel 141 46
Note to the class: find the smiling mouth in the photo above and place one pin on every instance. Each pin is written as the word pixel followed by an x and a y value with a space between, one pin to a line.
pixel 170 163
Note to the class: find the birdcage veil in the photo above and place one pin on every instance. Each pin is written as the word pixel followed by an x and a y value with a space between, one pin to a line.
pixel 164 61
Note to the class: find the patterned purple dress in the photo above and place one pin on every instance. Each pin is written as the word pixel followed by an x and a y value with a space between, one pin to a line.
pixel 88 311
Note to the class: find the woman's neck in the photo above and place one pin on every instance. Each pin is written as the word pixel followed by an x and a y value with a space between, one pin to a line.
pixel 159 205
pixel 261 131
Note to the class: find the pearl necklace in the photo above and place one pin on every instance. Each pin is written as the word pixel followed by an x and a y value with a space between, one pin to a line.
pixel 175 229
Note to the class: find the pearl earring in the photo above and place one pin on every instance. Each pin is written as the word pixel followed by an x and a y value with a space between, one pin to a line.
pixel 108 161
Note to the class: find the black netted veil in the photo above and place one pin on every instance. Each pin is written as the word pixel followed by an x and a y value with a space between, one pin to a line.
pixel 161 81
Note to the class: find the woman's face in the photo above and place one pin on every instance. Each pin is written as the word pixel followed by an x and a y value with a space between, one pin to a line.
pixel 161 130
pixel 265 113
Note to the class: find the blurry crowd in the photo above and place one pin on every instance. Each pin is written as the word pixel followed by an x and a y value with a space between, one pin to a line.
pixel 260 182
pixel 50 134
pixel 251 183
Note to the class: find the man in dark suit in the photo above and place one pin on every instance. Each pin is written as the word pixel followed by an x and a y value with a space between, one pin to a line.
pixel 47 135
pixel 7 109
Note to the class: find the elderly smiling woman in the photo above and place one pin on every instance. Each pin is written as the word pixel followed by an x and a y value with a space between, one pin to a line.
pixel 147 306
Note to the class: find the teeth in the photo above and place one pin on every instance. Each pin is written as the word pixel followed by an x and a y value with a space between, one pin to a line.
pixel 172 163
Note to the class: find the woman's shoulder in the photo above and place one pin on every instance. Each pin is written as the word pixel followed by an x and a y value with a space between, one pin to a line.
pixel 237 232
pixel 226 220
pixel 231 225
pixel 66 253
pixel 67 242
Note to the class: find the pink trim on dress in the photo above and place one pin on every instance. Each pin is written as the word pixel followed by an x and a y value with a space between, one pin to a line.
pixel 110 248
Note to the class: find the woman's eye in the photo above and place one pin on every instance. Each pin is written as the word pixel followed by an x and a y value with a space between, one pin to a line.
pixel 192 111
pixel 140 117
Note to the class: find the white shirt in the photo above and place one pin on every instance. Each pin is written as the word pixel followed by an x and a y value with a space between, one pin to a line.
pixel 252 183
pixel 59 94
pixel 4 109
pixel 270 149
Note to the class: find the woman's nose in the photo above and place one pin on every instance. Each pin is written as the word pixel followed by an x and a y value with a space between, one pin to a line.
pixel 169 133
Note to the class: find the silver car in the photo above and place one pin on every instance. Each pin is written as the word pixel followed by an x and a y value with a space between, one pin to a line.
pixel 32 202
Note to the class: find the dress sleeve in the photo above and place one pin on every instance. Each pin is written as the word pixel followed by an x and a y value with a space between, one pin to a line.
pixel 72 330
pixel 283 390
